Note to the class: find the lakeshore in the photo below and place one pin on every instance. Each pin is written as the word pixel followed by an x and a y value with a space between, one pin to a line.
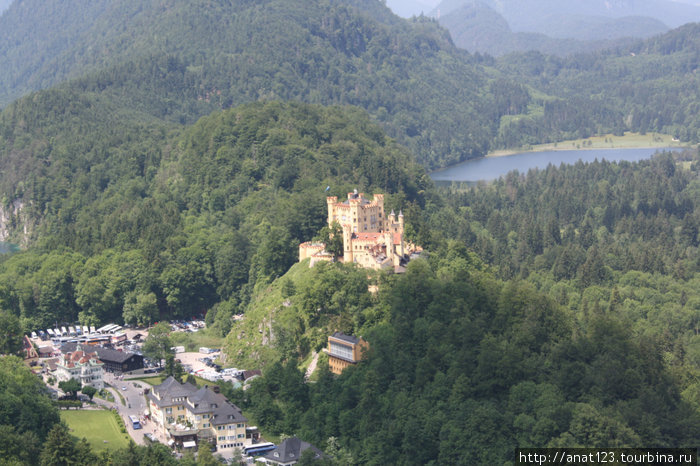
pixel 607 141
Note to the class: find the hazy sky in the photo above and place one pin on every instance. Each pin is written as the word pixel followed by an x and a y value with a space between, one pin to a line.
pixel 407 8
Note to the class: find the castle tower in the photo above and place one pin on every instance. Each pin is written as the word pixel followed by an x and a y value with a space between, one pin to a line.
pixel 331 201
pixel 347 245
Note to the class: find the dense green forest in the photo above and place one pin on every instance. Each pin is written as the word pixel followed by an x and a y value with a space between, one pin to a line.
pixel 560 308
pixel 194 57
pixel 441 102
pixel 651 86
pixel 475 355
pixel 177 171
pixel 182 218
pixel 464 368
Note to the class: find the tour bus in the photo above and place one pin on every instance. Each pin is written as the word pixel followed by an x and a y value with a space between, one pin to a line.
pixel 136 424
pixel 258 449
pixel 106 329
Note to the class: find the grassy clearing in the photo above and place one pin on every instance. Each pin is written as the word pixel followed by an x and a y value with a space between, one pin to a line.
pixel 607 141
pixel 153 380
pixel 98 426
pixel 193 341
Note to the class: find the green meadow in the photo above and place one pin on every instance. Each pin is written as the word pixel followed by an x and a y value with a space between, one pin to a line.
pixel 99 427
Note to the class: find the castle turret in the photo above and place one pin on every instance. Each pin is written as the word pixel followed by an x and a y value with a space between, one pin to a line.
pixel 347 246
pixel 330 202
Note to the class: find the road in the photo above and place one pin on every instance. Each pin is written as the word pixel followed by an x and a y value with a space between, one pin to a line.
pixel 135 405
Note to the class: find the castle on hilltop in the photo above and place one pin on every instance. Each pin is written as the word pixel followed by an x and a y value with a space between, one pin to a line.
pixel 370 238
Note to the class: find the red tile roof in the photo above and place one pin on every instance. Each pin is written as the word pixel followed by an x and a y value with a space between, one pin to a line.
pixel 368 236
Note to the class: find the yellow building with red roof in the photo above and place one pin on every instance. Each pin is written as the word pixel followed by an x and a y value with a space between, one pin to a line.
pixel 370 237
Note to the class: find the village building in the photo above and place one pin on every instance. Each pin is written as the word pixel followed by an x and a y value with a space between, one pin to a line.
pixel 371 238
pixel 81 365
pixel 188 416
pixel 114 360
pixel 289 452
pixel 30 353
pixel 343 351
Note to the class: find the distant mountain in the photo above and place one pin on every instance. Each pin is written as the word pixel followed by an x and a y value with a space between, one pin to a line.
pixel 4 5
pixel 478 28
pixel 180 60
pixel 591 28
pixel 544 15
pixel 649 86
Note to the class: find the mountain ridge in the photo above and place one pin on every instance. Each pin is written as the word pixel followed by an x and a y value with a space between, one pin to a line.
pixel 539 15
pixel 402 72
pixel 480 29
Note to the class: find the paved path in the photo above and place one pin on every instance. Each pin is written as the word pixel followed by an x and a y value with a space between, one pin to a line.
pixel 312 367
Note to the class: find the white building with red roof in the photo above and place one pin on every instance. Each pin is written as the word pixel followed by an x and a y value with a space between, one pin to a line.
pixel 82 365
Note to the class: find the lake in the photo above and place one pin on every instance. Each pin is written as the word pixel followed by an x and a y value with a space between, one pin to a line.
pixel 490 168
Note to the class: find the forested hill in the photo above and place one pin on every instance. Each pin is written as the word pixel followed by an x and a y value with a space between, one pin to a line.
pixel 650 86
pixel 183 219
pixel 180 60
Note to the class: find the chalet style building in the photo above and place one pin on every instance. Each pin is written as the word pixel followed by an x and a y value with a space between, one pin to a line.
pixel 188 416
pixel 114 360
pixel 81 365
pixel 370 237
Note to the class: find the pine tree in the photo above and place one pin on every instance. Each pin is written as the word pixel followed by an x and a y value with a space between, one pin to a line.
pixel 59 448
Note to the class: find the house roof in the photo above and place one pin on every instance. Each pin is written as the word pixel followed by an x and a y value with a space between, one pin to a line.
pixel 105 354
pixel 79 358
pixel 252 373
pixel 46 350
pixel 367 236
pixel 170 388
pixel 347 338
pixel 202 400
pixel 290 450
pixel 51 363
